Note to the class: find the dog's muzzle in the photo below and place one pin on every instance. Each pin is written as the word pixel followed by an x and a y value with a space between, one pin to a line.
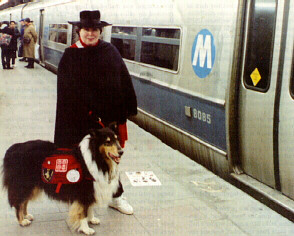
pixel 115 158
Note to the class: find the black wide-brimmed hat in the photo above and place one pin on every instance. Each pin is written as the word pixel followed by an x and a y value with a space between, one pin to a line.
pixel 90 19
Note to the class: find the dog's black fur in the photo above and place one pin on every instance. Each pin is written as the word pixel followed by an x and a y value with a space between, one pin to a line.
pixel 22 174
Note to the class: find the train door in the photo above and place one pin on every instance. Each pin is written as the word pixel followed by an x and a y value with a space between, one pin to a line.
pixel 286 124
pixel 41 30
pixel 257 91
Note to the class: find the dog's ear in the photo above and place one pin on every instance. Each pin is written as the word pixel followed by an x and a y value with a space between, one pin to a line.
pixel 97 134
pixel 93 133
pixel 114 127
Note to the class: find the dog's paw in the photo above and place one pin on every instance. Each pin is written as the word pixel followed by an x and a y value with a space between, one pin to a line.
pixel 95 221
pixel 29 217
pixel 25 222
pixel 87 231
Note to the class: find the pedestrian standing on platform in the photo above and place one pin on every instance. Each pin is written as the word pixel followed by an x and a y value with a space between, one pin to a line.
pixel 29 40
pixel 5 52
pixel 93 83
pixel 13 43
pixel 20 49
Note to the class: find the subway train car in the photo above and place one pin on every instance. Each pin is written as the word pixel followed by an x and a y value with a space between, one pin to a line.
pixel 214 79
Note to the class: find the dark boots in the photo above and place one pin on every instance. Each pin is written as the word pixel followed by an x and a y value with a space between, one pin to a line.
pixel 31 63
pixel 7 66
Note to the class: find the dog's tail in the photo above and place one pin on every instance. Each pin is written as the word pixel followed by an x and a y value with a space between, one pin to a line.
pixel 7 170
pixel 12 173
pixel 9 176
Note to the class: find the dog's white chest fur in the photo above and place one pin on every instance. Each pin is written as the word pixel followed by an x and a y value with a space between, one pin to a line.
pixel 105 186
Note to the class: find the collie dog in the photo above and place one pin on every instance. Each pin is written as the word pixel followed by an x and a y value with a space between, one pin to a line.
pixel 83 176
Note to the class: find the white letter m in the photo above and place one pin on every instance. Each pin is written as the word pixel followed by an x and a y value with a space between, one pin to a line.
pixel 204 50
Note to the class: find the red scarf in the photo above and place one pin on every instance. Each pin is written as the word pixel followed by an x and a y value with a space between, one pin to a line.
pixel 83 44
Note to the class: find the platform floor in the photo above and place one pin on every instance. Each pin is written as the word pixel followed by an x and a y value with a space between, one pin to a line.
pixel 190 200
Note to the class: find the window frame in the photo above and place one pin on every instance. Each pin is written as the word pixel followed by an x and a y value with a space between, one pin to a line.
pixel 140 38
pixel 58 30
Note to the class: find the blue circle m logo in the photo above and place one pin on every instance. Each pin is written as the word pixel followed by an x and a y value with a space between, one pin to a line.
pixel 203 53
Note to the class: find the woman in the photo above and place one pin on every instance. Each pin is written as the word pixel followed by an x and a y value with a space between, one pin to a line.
pixel 93 84
pixel 5 49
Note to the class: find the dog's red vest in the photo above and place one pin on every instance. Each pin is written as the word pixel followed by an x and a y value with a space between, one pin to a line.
pixel 61 168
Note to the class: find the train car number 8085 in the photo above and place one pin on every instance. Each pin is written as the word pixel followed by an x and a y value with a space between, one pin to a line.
pixel 202 116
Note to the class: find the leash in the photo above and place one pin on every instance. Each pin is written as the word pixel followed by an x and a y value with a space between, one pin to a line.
pixel 99 121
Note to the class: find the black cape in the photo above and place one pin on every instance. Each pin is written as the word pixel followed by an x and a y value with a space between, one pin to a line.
pixel 92 82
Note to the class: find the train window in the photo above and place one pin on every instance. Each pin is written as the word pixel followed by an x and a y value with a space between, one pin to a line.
pixel 53 26
pixel 58 33
pixel 74 35
pixel 124 38
pixel 161 55
pixel 124 30
pixel 62 37
pixel 259 47
pixel 53 36
pixel 160 47
pixel 63 26
pixel 153 46
pixel 164 33
pixel 126 47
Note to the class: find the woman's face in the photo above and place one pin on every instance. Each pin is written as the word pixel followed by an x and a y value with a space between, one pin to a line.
pixel 90 36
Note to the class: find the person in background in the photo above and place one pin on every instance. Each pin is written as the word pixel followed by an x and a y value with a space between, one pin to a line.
pixel 13 44
pixel 29 40
pixel 20 49
pixel 93 84
pixel 5 52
